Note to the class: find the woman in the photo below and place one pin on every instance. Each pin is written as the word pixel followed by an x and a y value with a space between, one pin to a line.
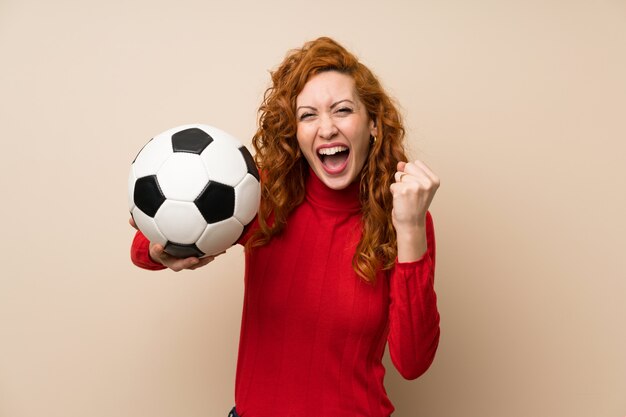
pixel 340 259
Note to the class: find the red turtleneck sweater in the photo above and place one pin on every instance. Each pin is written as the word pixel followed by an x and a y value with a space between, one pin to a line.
pixel 313 333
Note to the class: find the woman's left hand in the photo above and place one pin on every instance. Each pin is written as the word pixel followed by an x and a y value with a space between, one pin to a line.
pixel 413 190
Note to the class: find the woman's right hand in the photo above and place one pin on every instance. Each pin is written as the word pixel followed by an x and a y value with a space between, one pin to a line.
pixel 158 255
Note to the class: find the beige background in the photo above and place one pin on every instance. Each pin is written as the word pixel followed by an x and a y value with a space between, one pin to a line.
pixel 518 106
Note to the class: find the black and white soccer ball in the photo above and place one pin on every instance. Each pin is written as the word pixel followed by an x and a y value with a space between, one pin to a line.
pixel 193 189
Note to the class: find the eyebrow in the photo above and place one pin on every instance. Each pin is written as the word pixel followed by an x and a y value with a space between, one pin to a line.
pixel 332 106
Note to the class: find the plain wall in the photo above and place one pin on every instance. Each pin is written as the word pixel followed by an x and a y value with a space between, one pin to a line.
pixel 519 106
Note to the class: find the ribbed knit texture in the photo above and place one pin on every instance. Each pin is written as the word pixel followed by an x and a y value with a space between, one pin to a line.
pixel 313 333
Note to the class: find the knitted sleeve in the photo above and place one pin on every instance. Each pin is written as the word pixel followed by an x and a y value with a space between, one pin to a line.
pixel 140 253
pixel 413 315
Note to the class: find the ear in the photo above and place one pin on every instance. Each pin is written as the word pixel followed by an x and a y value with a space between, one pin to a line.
pixel 373 128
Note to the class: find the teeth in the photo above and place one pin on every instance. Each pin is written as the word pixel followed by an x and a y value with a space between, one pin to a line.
pixel 332 151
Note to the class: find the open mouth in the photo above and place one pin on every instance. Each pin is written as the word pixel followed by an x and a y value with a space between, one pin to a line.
pixel 335 157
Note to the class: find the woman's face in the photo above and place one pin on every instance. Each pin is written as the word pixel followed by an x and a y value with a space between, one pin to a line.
pixel 333 128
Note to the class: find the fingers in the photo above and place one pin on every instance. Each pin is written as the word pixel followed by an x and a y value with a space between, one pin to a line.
pixel 206 260
pixel 413 190
pixel 158 254
pixel 416 171
pixel 202 262
pixel 398 176
pixel 131 221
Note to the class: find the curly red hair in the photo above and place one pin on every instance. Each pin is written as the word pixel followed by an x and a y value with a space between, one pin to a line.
pixel 284 168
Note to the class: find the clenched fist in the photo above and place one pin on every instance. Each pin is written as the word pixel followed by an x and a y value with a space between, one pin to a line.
pixel 413 190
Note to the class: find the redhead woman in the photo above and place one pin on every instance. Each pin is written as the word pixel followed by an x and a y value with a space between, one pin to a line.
pixel 340 260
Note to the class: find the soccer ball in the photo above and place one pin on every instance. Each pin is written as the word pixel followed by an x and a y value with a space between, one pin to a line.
pixel 193 189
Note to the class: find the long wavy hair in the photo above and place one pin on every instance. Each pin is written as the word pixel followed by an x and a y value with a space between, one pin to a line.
pixel 284 168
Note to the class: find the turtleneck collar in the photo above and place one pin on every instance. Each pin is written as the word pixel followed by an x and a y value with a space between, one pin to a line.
pixel 318 194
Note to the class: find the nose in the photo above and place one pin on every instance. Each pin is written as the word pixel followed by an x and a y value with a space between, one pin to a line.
pixel 327 129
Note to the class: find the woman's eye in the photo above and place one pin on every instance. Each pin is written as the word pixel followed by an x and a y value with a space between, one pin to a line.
pixel 344 110
pixel 305 116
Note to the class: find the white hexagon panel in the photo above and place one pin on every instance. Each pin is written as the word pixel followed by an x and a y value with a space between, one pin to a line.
pixel 182 177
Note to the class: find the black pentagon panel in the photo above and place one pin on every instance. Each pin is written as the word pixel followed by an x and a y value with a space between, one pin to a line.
pixel 216 202
pixel 148 196
pixel 179 250
pixel 141 150
pixel 191 140
pixel 249 162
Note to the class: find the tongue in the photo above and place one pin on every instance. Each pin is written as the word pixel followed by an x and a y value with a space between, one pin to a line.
pixel 336 160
